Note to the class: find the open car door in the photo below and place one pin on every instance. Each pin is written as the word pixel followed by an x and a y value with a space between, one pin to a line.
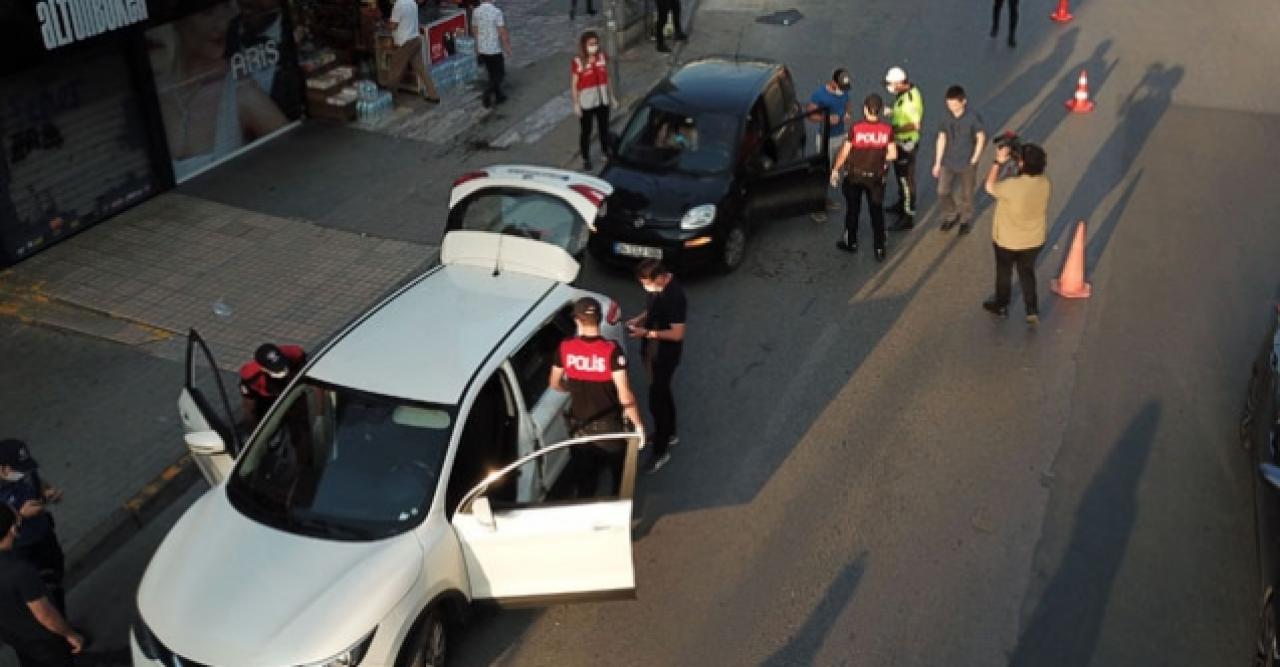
pixel 551 205
pixel 523 552
pixel 792 184
pixel 207 420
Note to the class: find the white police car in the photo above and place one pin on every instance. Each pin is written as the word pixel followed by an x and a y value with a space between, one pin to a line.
pixel 378 497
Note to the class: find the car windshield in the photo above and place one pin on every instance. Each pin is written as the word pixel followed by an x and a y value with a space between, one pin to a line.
pixel 343 464
pixel 527 213
pixel 695 142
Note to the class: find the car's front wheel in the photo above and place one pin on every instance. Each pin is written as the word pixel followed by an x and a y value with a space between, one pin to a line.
pixel 428 643
pixel 734 249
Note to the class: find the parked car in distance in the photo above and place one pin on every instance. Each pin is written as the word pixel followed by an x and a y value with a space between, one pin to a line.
pixel 713 150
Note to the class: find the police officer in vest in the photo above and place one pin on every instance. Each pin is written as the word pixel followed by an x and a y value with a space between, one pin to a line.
pixel 593 369
pixel 265 376
pixel 868 151
pixel 906 116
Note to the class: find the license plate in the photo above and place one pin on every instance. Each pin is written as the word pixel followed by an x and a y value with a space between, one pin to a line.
pixel 629 250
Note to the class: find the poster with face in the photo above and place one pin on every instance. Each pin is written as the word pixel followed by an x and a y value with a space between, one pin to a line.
pixel 226 76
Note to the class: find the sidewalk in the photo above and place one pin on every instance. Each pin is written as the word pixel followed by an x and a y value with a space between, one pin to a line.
pixel 285 243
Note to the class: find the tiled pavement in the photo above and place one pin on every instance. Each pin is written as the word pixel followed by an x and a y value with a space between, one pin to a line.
pixel 239 277
pixel 286 243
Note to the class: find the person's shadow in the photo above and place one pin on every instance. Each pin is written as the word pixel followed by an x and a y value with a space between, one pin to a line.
pixel 1140 113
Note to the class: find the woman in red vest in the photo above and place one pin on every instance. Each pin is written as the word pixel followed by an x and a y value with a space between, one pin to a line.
pixel 592 94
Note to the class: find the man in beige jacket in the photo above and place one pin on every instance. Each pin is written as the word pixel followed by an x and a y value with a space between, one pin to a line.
pixel 1021 218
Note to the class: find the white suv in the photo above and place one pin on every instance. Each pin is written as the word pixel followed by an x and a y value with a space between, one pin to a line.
pixel 408 470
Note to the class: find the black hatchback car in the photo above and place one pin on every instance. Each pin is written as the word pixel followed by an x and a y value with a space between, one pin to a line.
pixel 1260 434
pixel 713 150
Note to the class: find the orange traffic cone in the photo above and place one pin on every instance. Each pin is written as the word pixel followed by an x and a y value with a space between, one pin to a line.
pixel 1063 13
pixel 1071 283
pixel 1081 103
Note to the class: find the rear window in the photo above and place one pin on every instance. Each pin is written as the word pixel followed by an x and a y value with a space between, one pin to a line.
pixel 526 213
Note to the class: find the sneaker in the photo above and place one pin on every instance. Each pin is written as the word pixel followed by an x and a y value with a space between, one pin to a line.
pixel 847 247
pixel 965 228
pixel 673 441
pixel 948 224
pixel 1033 317
pixel 995 309
pixel 818 217
pixel 656 465
pixel 879 254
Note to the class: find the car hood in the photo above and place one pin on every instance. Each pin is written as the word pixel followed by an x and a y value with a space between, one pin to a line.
pixel 225 590
pixel 660 196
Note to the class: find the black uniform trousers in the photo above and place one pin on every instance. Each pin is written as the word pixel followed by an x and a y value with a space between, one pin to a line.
pixel 1013 18
pixel 600 115
pixel 1025 260
pixel 854 188
pixel 904 169
pixel 495 66
pixel 588 461
pixel 662 403
pixel 667 9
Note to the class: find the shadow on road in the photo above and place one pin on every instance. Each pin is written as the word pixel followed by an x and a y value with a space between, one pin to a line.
pixel 1139 115
pixel 1064 628
pixel 805 644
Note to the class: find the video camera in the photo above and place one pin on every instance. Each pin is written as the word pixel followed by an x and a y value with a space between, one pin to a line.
pixel 1009 139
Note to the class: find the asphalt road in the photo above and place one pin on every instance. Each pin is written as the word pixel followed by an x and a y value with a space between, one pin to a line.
pixel 876 472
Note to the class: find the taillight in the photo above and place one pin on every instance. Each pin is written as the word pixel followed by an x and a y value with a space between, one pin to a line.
pixel 614 313
pixel 470 176
pixel 593 195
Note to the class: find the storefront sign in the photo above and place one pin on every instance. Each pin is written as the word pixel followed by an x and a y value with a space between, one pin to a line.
pixel 64 22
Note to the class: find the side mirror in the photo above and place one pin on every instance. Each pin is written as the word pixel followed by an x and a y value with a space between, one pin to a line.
pixel 1271 473
pixel 483 513
pixel 208 443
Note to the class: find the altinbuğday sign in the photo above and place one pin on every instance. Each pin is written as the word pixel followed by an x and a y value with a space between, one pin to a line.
pixel 63 22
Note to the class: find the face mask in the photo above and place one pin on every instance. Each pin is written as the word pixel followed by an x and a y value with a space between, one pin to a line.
pixel 652 289
pixel 890 89
pixel 13 476
pixel 593 49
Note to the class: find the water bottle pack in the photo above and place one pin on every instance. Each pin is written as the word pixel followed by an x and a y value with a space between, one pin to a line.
pixel 373 103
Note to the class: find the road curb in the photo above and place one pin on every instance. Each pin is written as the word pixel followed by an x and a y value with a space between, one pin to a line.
pixel 128 519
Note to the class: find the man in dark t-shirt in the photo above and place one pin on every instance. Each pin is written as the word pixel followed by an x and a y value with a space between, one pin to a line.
pixel 29 622
pixel 593 369
pixel 661 330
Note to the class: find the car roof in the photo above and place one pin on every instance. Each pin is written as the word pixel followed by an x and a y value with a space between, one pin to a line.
pixel 426 342
pixel 715 83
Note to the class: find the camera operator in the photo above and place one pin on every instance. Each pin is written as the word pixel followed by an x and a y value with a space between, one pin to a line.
pixel 1021 219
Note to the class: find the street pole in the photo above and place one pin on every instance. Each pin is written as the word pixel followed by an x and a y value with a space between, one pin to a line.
pixel 611 46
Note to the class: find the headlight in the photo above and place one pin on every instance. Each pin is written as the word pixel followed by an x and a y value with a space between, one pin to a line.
pixel 698 217
pixel 350 657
